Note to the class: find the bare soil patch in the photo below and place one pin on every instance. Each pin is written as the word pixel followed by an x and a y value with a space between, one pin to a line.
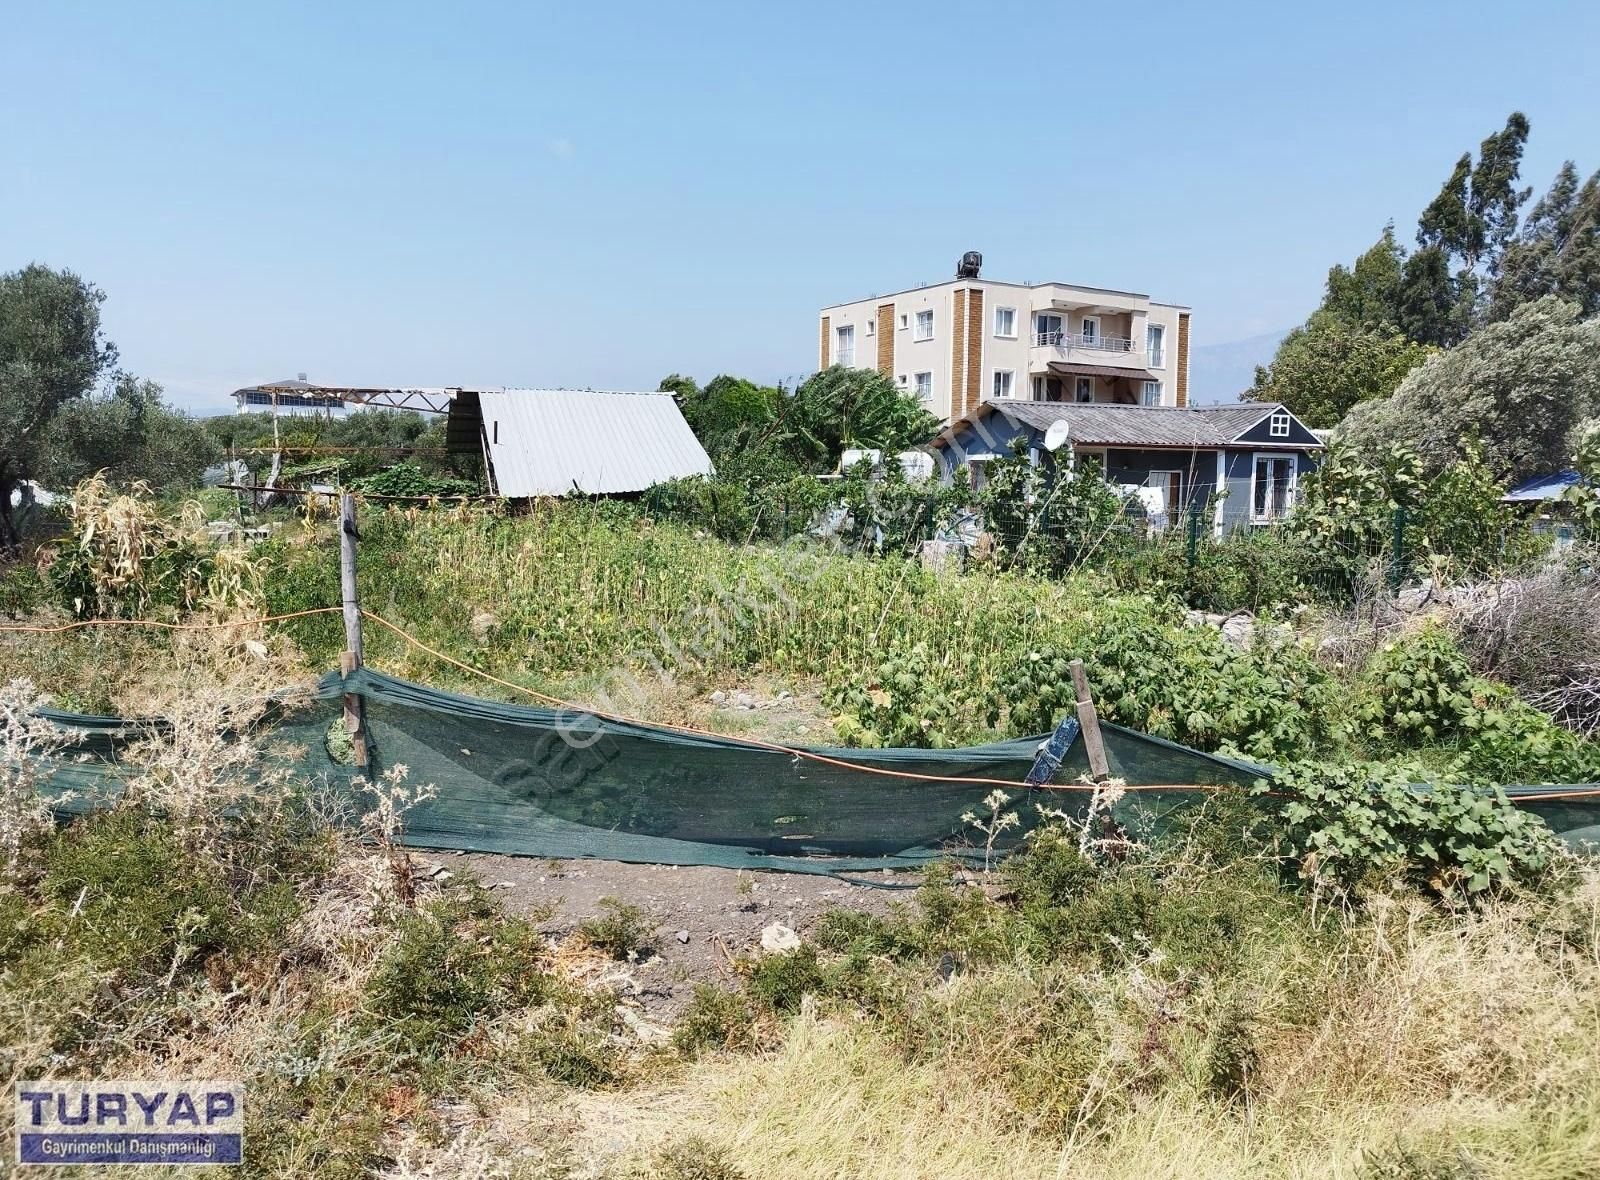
pixel 704 918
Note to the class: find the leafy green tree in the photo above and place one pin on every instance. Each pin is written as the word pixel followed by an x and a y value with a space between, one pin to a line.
pixel 130 434
pixel 52 352
pixel 1331 363
pixel 842 407
pixel 1430 311
pixel 1467 226
pixel 1520 386
pixel 1558 250
pixel 1585 495
pixel 1368 293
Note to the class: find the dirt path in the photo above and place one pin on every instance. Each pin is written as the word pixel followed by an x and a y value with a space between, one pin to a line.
pixel 703 916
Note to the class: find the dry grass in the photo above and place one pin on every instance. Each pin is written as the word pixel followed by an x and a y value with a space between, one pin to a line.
pixel 1478 1033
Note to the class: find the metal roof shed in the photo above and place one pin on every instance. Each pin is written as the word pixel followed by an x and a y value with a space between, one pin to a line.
pixel 552 442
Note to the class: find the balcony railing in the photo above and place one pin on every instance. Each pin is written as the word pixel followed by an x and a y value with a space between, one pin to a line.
pixel 1079 340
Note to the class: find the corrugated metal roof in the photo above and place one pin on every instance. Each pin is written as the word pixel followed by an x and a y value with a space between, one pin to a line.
pixel 1098 424
pixel 548 442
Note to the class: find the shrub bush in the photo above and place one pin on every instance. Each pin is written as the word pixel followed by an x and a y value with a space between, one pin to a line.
pixel 1342 824
pixel 911 698
pixel 408 479
pixel 782 981
pixel 715 1019
pixel 452 963
pixel 22 590
pixel 623 931
pixel 1419 688
pixel 135 900
pixel 694 1158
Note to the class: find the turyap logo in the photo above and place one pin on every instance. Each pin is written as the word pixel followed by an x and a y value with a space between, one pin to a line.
pixel 161 1122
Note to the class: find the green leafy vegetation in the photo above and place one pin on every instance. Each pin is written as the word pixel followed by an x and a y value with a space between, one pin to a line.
pixel 1342 825
pixel 623 931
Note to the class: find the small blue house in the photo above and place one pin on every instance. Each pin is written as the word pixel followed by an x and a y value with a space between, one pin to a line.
pixel 1171 457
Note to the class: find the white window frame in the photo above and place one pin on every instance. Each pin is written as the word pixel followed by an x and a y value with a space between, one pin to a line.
pixel 1145 391
pixel 917 333
pixel 922 385
pixel 1078 384
pixel 905 321
pixel 1155 354
pixel 1256 458
pixel 1040 319
pixel 1278 424
pixel 1010 376
pixel 1085 333
pixel 840 334
pixel 1012 312
pixel 872 328
pixel 1170 512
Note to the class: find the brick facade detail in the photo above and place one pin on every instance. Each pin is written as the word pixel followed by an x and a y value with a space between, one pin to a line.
pixel 1183 359
pixel 822 353
pixel 958 327
pixel 884 326
pixel 974 365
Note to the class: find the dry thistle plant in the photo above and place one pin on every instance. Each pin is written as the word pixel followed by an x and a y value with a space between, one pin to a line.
pixel 392 798
pixel 998 820
pixel 205 763
pixel 30 750
pixel 1102 802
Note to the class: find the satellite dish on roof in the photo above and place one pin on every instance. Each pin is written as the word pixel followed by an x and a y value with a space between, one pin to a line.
pixel 1056 437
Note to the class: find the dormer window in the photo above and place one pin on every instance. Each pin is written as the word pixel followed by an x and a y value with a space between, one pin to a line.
pixel 1278 425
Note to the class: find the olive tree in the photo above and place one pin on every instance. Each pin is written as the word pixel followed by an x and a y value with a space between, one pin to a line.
pixel 1520 386
pixel 52 352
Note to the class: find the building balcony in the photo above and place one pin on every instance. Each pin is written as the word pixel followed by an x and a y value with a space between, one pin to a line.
pixel 1116 351
pixel 1095 343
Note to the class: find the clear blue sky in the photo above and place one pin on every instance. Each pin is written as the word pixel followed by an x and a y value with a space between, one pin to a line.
pixel 599 194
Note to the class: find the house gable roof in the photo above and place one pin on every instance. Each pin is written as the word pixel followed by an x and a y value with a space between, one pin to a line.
pixel 1099 424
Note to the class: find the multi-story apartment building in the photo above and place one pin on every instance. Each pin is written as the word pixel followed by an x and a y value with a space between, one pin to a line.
pixel 971 340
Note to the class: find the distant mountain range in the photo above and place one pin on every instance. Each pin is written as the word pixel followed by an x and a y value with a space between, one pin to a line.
pixel 1221 372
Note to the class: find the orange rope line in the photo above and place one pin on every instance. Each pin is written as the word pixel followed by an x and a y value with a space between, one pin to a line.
pixel 790 751
pixel 6 628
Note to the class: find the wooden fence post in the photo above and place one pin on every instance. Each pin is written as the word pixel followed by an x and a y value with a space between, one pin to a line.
pixel 355 712
pixel 1093 746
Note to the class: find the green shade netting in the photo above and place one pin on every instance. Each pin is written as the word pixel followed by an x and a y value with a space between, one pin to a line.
pixel 530 781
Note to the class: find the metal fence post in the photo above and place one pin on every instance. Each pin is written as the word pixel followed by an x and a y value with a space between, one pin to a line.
pixel 1193 552
pixel 1397 550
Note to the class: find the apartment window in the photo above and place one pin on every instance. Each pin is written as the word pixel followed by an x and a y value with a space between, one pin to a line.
pixel 1005 322
pixel 925 387
pixel 1278 425
pixel 872 327
pixel 1046 329
pixel 1272 487
pixel 1091 329
pixel 1154 339
pixel 1003 381
pixel 1152 394
pixel 903 321
pixel 845 351
pixel 901 379
pixel 924 326
pixel 1085 390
